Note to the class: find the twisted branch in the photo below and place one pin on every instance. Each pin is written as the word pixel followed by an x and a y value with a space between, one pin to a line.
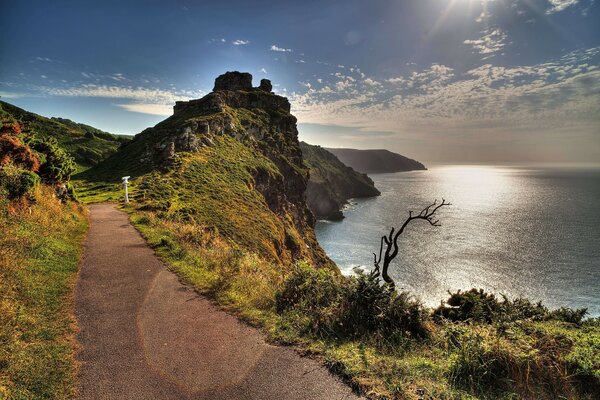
pixel 391 240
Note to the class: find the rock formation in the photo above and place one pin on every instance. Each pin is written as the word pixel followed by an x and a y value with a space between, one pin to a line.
pixel 270 152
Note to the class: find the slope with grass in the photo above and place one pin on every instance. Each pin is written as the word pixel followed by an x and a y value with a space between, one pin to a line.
pixel 40 246
pixel 332 183
pixel 87 145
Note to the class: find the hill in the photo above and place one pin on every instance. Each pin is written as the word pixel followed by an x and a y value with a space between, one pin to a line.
pixel 332 183
pixel 376 161
pixel 86 144
pixel 230 162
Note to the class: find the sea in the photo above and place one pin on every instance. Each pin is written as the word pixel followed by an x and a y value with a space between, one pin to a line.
pixel 530 231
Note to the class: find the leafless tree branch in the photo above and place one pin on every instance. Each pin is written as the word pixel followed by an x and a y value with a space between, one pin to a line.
pixel 391 240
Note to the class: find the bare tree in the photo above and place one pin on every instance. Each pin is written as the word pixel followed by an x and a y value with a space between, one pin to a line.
pixel 391 240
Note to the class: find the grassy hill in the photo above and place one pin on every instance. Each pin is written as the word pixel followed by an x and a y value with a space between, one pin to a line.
pixel 86 144
pixel 230 162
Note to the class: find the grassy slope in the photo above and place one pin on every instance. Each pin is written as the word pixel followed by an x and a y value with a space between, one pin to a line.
pixel 536 360
pixel 40 248
pixel 71 136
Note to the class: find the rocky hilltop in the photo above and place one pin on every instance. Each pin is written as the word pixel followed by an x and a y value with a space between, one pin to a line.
pixel 332 183
pixel 230 161
pixel 376 161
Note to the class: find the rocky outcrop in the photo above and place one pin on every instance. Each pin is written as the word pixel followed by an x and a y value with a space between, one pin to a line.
pixel 332 183
pixel 262 123
pixel 376 161
pixel 233 81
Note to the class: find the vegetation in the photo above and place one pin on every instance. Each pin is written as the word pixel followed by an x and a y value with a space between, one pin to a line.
pixel 383 343
pixel 216 215
pixel 85 144
pixel 40 247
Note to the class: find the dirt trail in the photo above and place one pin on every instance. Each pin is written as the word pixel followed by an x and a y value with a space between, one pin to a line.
pixel 144 335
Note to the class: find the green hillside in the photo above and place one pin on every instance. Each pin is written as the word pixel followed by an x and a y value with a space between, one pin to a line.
pixel 86 144
pixel 230 162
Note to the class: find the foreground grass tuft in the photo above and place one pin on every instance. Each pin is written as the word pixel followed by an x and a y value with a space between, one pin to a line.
pixel 40 247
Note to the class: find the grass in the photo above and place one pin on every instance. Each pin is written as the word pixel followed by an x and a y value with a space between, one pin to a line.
pixel 522 359
pixel 86 144
pixel 40 248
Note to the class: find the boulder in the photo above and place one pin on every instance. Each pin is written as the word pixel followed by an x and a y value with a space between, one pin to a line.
pixel 266 85
pixel 233 81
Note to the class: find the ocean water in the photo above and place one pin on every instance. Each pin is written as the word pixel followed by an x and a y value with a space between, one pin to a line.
pixel 520 231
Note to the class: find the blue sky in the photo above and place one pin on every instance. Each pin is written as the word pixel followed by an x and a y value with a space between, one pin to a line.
pixel 436 80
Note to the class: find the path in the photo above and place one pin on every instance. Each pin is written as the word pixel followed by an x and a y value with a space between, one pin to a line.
pixel 144 335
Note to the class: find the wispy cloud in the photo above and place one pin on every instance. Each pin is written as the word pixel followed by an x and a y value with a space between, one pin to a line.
pixel 240 42
pixel 142 100
pixel 144 108
pixel 491 42
pixel 280 49
pixel 559 5
pixel 435 99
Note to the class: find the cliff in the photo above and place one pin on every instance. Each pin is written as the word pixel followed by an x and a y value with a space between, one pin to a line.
pixel 332 183
pixel 376 161
pixel 231 162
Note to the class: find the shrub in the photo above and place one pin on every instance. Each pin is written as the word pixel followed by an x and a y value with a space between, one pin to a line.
pixel 329 305
pixel 17 182
pixel 478 306
pixel 571 315
pixel 58 165
pixel 13 151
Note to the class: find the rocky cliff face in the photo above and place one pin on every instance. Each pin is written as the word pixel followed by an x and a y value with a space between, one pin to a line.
pixel 231 160
pixel 332 183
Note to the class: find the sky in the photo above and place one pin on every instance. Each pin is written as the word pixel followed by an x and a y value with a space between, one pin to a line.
pixel 449 81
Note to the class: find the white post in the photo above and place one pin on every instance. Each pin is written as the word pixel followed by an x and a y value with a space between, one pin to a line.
pixel 125 182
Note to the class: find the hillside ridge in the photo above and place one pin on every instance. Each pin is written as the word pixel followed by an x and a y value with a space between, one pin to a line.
pixel 375 161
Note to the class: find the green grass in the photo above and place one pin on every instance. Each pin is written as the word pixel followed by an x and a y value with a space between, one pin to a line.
pixel 86 144
pixel 40 248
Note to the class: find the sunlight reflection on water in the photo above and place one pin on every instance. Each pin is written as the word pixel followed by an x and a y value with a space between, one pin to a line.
pixel 523 231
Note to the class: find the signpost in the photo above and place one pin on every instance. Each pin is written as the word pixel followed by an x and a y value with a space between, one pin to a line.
pixel 125 182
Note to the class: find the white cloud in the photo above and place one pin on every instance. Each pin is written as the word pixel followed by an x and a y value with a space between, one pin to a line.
pixel 540 98
pixel 240 42
pixel 144 100
pixel 491 42
pixel 559 5
pixel 281 49
pixel 263 70
pixel 145 108
pixel 371 82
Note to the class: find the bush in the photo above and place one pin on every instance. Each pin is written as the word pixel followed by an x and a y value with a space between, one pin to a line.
pixel 17 182
pixel 571 315
pixel 328 305
pixel 58 165
pixel 13 151
pixel 478 306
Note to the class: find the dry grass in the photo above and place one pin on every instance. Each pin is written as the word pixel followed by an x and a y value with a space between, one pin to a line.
pixel 40 246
